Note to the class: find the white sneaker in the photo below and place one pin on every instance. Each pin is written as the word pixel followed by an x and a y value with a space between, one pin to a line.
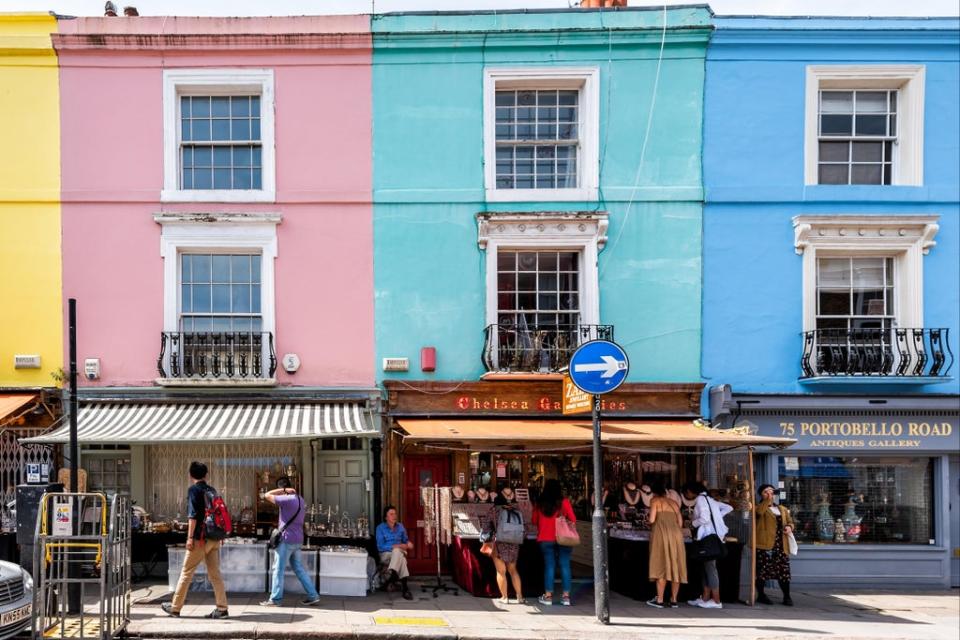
pixel 710 604
pixel 695 603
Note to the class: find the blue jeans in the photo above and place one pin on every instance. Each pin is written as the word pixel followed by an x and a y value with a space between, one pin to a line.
pixel 551 553
pixel 287 551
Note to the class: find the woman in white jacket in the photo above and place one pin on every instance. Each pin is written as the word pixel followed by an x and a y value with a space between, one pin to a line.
pixel 707 519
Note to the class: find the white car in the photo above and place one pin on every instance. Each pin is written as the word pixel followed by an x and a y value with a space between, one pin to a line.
pixel 16 599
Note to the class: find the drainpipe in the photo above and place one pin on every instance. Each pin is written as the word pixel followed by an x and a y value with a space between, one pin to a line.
pixel 376 447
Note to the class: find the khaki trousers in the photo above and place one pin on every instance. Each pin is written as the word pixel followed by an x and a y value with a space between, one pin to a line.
pixel 396 560
pixel 207 552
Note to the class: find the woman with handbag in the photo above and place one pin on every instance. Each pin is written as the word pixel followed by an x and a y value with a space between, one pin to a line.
pixel 553 507
pixel 505 553
pixel 668 557
pixel 774 528
pixel 710 528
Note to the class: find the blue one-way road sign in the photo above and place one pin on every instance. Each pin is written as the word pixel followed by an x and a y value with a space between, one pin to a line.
pixel 599 366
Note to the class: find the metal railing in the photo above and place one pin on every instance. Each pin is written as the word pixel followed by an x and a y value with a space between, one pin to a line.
pixel 232 355
pixel 508 348
pixel 902 353
pixel 81 566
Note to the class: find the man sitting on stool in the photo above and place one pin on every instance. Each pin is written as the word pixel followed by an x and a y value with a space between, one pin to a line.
pixel 393 544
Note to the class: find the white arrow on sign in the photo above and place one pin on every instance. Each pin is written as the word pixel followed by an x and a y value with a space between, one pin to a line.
pixel 610 366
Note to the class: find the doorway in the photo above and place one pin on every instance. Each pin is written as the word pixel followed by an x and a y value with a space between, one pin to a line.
pixel 422 471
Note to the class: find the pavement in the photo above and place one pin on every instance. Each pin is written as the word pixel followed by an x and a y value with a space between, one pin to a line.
pixel 837 613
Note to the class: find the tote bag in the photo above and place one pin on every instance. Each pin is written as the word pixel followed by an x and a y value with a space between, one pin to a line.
pixel 567 535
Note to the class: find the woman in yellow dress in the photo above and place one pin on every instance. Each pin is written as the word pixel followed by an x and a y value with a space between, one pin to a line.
pixel 668 558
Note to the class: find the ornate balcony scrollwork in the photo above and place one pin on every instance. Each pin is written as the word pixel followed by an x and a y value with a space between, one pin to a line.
pixel 897 353
pixel 513 349
pixel 231 355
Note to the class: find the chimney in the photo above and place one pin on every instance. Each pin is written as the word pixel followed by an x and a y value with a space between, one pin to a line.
pixel 130 11
pixel 599 4
pixel 110 10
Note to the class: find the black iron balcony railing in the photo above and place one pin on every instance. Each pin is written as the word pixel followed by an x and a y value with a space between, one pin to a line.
pixel 234 355
pixel 901 353
pixel 508 348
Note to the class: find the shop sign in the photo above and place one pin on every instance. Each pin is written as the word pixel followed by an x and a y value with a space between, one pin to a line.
pixel 62 518
pixel 575 400
pixel 537 399
pixel 916 433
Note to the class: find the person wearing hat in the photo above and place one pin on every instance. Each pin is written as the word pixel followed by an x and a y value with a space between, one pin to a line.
pixel 774 525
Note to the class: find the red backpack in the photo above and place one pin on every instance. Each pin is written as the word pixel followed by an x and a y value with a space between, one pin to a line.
pixel 217 524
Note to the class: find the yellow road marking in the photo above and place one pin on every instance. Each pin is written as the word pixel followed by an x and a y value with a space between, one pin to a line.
pixel 413 622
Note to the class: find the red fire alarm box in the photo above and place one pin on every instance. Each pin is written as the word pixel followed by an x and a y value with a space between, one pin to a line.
pixel 428 359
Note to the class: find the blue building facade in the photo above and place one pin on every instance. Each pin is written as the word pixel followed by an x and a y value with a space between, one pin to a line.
pixel 831 307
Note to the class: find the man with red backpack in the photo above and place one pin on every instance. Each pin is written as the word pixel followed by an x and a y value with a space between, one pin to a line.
pixel 208 524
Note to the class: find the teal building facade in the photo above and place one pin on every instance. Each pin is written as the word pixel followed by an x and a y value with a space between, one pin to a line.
pixel 499 138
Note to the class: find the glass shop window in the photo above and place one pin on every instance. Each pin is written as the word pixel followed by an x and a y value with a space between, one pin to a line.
pixel 866 500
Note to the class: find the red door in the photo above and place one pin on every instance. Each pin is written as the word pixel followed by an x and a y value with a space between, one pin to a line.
pixel 422 471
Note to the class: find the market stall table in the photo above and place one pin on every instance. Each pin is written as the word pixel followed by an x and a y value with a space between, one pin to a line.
pixel 630 561
pixel 150 550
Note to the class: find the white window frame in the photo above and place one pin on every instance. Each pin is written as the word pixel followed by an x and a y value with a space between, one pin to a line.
pixel 905 238
pixel 218 82
pixel 908 80
pixel 584 233
pixel 584 79
pixel 218 233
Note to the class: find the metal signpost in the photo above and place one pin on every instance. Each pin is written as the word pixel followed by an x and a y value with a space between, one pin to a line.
pixel 599 367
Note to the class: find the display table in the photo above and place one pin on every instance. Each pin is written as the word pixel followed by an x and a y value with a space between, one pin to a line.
pixel 150 550
pixel 474 572
pixel 370 543
pixel 629 571
pixel 242 565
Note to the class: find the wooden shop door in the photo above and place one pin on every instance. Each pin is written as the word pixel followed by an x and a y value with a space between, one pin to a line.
pixel 422 471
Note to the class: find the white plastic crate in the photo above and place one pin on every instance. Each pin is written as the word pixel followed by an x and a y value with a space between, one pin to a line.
pixel 343 564
pixel 343 586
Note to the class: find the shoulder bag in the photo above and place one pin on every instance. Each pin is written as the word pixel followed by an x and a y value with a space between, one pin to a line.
pixel 276 534
pixel 711 547
pixel 567 534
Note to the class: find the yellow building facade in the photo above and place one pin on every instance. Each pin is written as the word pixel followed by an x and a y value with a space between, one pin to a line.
pixel 31 321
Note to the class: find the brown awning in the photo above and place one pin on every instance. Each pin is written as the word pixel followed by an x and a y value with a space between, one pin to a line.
pixel 10 403
pixel 647 433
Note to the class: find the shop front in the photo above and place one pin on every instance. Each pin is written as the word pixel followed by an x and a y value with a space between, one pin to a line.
pixel 143 448
pixel 870 482
pixel 474 441
pixel 23 413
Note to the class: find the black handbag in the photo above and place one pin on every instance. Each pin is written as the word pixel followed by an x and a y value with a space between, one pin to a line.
pixel 711 547
pixel 276 534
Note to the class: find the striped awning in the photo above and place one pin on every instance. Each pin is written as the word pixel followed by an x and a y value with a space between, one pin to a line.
pixel 143 423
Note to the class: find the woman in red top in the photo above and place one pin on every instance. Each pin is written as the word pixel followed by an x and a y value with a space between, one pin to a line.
pixel 551 505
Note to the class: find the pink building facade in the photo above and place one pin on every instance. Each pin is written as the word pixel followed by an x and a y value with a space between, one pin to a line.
pixel 217 235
